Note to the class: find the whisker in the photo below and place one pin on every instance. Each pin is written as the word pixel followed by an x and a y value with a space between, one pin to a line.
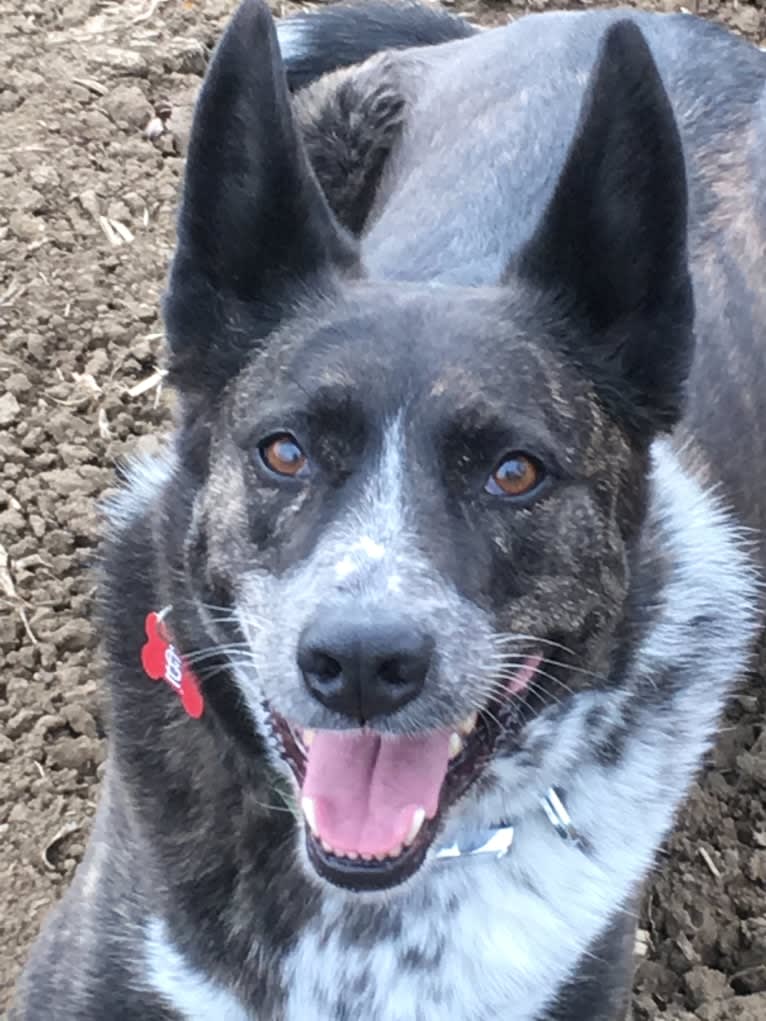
pixel 480 702
pixel 604 678
pixel 542 697
pixel 219 650
pixel 502 691
pixel 214 668
pixel 272 808
pixel 541 673
pixel 226 614
pixel 488 713
pixel 576 669
pixel 506 638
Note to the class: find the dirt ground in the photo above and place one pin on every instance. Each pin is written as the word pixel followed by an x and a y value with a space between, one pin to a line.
pixel 94 108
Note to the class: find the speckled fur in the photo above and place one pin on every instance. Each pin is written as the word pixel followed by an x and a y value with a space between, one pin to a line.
pixel 414 320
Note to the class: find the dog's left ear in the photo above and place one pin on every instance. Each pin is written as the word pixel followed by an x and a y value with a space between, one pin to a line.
pixel 255 233
pixel 611 247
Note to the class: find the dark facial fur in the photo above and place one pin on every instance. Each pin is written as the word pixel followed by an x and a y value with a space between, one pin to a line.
pixel 405 398
pixel 395 507
pixel 412 309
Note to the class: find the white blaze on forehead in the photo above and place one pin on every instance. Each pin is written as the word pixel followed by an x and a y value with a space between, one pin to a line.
pixel 345 567
pixel 374 550
pixel 380 514
pixel 366 547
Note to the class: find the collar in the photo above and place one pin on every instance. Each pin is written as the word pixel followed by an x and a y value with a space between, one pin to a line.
pixel 162 661
pixel 497 841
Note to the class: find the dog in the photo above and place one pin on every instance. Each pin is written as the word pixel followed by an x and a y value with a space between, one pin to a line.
pixel 419 628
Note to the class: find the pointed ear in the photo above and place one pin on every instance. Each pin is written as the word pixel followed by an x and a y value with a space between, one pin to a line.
pixel 612 243
pixel 254 230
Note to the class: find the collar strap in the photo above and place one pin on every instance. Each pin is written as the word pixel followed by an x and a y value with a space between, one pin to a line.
pixel 497 841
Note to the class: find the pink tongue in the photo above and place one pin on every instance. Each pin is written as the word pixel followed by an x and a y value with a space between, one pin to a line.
pixel 366 788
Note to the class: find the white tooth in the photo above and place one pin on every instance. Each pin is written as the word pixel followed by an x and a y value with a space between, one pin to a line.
pixel 469 723
pixel 326 846
pixel 310 812
pixel 418 818
pixel 455 745
pixel 308 737
pixel 395 851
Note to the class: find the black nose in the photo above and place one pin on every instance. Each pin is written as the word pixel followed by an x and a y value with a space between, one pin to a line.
pixel 364 666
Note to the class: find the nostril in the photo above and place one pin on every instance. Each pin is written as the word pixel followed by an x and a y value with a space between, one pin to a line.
pixel 324 667
pixel 390 671
pixel 319 666
pixel 393 671
pixel 409 667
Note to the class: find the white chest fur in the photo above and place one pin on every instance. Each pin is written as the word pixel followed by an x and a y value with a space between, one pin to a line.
pixel 472 939
pixel 468 942
pixel 480 938
pixel 476 938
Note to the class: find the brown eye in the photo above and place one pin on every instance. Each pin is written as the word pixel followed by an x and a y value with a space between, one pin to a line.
pixel 282 455
pixel 516 475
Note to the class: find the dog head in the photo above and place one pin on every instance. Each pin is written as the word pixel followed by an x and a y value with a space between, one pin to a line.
pixel 407 514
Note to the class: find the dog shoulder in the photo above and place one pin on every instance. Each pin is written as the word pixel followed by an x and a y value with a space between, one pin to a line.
pixel 350 121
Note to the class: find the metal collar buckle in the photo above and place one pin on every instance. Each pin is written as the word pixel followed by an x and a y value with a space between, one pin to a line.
pixel 499 840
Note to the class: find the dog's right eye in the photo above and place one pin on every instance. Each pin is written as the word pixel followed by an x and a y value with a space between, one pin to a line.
pixel 282 455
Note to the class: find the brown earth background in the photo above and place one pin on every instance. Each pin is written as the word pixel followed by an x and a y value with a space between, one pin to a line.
pixel 95 100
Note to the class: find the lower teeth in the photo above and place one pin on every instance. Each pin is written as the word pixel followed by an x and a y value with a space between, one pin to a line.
pixel 364 855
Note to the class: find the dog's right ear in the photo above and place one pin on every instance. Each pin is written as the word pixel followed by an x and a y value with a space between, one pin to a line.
pixel 255 232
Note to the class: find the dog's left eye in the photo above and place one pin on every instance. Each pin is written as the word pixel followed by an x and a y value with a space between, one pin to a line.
pixel 517 475
pixel 282 455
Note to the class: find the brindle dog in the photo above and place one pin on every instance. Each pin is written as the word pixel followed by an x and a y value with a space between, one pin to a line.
pixel 465 335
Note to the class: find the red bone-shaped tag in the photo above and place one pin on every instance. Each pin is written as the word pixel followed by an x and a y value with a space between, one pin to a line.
pixel 162 662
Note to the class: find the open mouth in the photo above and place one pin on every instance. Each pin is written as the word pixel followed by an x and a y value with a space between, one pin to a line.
pixel 373 803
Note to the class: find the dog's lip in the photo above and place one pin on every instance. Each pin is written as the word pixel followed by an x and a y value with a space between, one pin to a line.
pixel 482 734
